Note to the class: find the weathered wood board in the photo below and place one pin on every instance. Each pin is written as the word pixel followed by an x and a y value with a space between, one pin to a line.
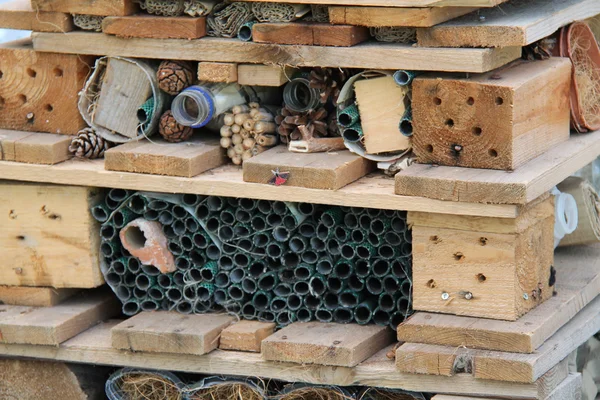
pixel 34 148
pixel 309 34
pixel 395 16
pixel 91 7
pixel 246 335
pixel 18 14
pixel 34 296
pixel 217 72
pixel 155 27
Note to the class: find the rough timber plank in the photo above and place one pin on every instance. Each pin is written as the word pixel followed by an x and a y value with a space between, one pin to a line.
pixel 578 283
pixel 395 3
pixel 217 72
pixel 34 297
pixel 18 14
pixel 170 332
pixel 156 27
pixel 54 325
pixel 158 157
pixel 309 33
pixel 92 7
pixel 246 335
pixel 35 148
pixel 521 186
pixel 345 345
pixel 516 23
pixel 365 55
pixel 390 16
pixel 312 170
pixel 264 75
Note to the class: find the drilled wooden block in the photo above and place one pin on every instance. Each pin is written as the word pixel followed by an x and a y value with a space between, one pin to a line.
pixel 39 91
pixel 497 120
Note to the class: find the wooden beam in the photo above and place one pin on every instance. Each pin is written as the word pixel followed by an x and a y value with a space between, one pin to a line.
pixel 577 283
pixel 34 148
pixel 155 27
pixel 264 75
pixel 395 3
pixel 309 33
pixel 34 297
pixel 246 335
pixel 521 186
pixel 18 14
pixel 513 24
pixel 91 7
pixel 395 16
pixel 217 72
pixel 365 55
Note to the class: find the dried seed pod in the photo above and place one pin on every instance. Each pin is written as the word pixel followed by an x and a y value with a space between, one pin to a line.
pixel 242 108
pixel 88 144
pixel 248 143
pixel 174 76
pixel 236 139
pixel 228 119
pixel 173 131
pixel 225 142
pixel 226 131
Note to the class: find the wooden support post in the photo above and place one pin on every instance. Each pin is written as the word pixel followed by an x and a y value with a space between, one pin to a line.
pixel 309 33
pixel 395 16
pixel 18 14
pixel 156 27
pixel 246 335
pixel 217 72
pixel 91 7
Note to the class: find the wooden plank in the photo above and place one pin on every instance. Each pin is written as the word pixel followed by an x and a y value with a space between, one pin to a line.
pixel 217 72
pixel 49 236
pixel 578 282
pixel 246 335
pixel 498 120
pixel 521 186
pixel 159 157
pixel 511 367
pixel 395 3
pixel 329 171
pixel 34 297
pixel 309 33
pixel 18 14
pixel 42 148
pixel 264 75
pixel 394 16
pixel 374 189
pixel 170 332
pixel 365 55
pixel 345 345
pixel 156 27
pixel 54 325
pixel 516 23
pixel 91 7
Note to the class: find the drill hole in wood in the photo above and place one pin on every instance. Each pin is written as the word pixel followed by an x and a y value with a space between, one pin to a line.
pixel 22 98
pixel 2 101
pixel 437 101
pixel 31 72
pixel 493 153
pixel 429 148
pixel 470 101
pixel 58 72
pixel 499 101
pixel 49 108
pixel 1 74
pixel 477 131
pixel 459 256
pixel 431 284
pixel 481 278
pixel 449 123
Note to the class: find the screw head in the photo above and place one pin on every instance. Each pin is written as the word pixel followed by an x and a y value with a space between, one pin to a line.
pixel 445 296
pixel 468 295
pixel 525 296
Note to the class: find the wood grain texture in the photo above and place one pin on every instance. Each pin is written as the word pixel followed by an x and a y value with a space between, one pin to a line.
pixel 330 171
pixel 396 3
pixel 35 148
pixel 366 55
pixel 395 16
pixel 49 236
pixel 513 24
pixel 18 14
pixel 523 185
pixel 91 7
pixel 246 335
pixel 159 157
pixel 170 332
pixel 217 72
pixel 34 297
pixel 264 75
pixel 309 34
pixel 498 120
pixel 155 27
pixel 344 345
pixel 578 283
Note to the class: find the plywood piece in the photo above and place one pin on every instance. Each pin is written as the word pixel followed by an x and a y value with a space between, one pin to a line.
pixel 498 120
pixel 577 283
pixel 309 34
pixel 158 157
pixel 34 297
pixel 395 16
pixel 330 171
pixel 38 91
pixel 366 55
pixel 516 23
pixel 344 345
pixel 381 104
pixel 217 72
pixel 49 236
pixel 396 3
pixel 156 27
pixel 18 14
pixel 264 75
pixel 91 7
pixel 54 325
pixel 170 332
pixel 498 187
pixel 246 335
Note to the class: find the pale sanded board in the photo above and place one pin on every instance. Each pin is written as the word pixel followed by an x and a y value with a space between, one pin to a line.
pixel 521 186
pixel 34 297
pixel 54 325
pixel 33 148
pixel 395 16
pixel 153 26
pixel 312 170
pixel 92 7
pixel 246 335
pixel 578 283
pixel 344 345
pixel 170 332
pixel 18 14
pixel 159 157
pixel 516 23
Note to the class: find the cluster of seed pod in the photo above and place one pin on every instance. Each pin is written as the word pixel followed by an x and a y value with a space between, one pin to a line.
pixel 246 131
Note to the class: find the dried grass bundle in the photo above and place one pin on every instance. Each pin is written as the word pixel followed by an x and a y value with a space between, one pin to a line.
pixel 227 391
pixel 148 387
pixel 315 393
pixel 587 77
pixel 382 394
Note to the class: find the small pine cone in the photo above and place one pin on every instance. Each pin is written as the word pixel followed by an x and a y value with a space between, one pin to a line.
pixel 171 130
pixel 174 76
pixel 88 144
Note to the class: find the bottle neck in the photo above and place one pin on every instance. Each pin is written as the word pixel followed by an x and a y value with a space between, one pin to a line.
pixel 195 107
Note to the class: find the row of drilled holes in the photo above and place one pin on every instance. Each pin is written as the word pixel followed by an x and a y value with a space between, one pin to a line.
pixel 58 72
pixel 470 101
pixel 481 278
pixel 491 152
pixel 23 99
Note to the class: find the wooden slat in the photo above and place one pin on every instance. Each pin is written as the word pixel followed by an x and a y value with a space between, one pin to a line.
pixel 578 282
pixel 34 297
pixel 264 75
pixel 94 346
pixel 34 148
pixel 499 187
pixel 246 335
pixel 390 16
pixel 217 72
pixel 18 14
pixel 395 3
pixel 93 7
pixel 375 190
pixel 516 23
pixel 365 55
pixel 309 33
pixel 156 27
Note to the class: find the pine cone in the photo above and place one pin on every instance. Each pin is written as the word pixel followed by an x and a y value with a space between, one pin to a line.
pixel 174 76
pixel 316 122
pixel 329 81
pixel 171 130
pixel 88 144
pixel 540 50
